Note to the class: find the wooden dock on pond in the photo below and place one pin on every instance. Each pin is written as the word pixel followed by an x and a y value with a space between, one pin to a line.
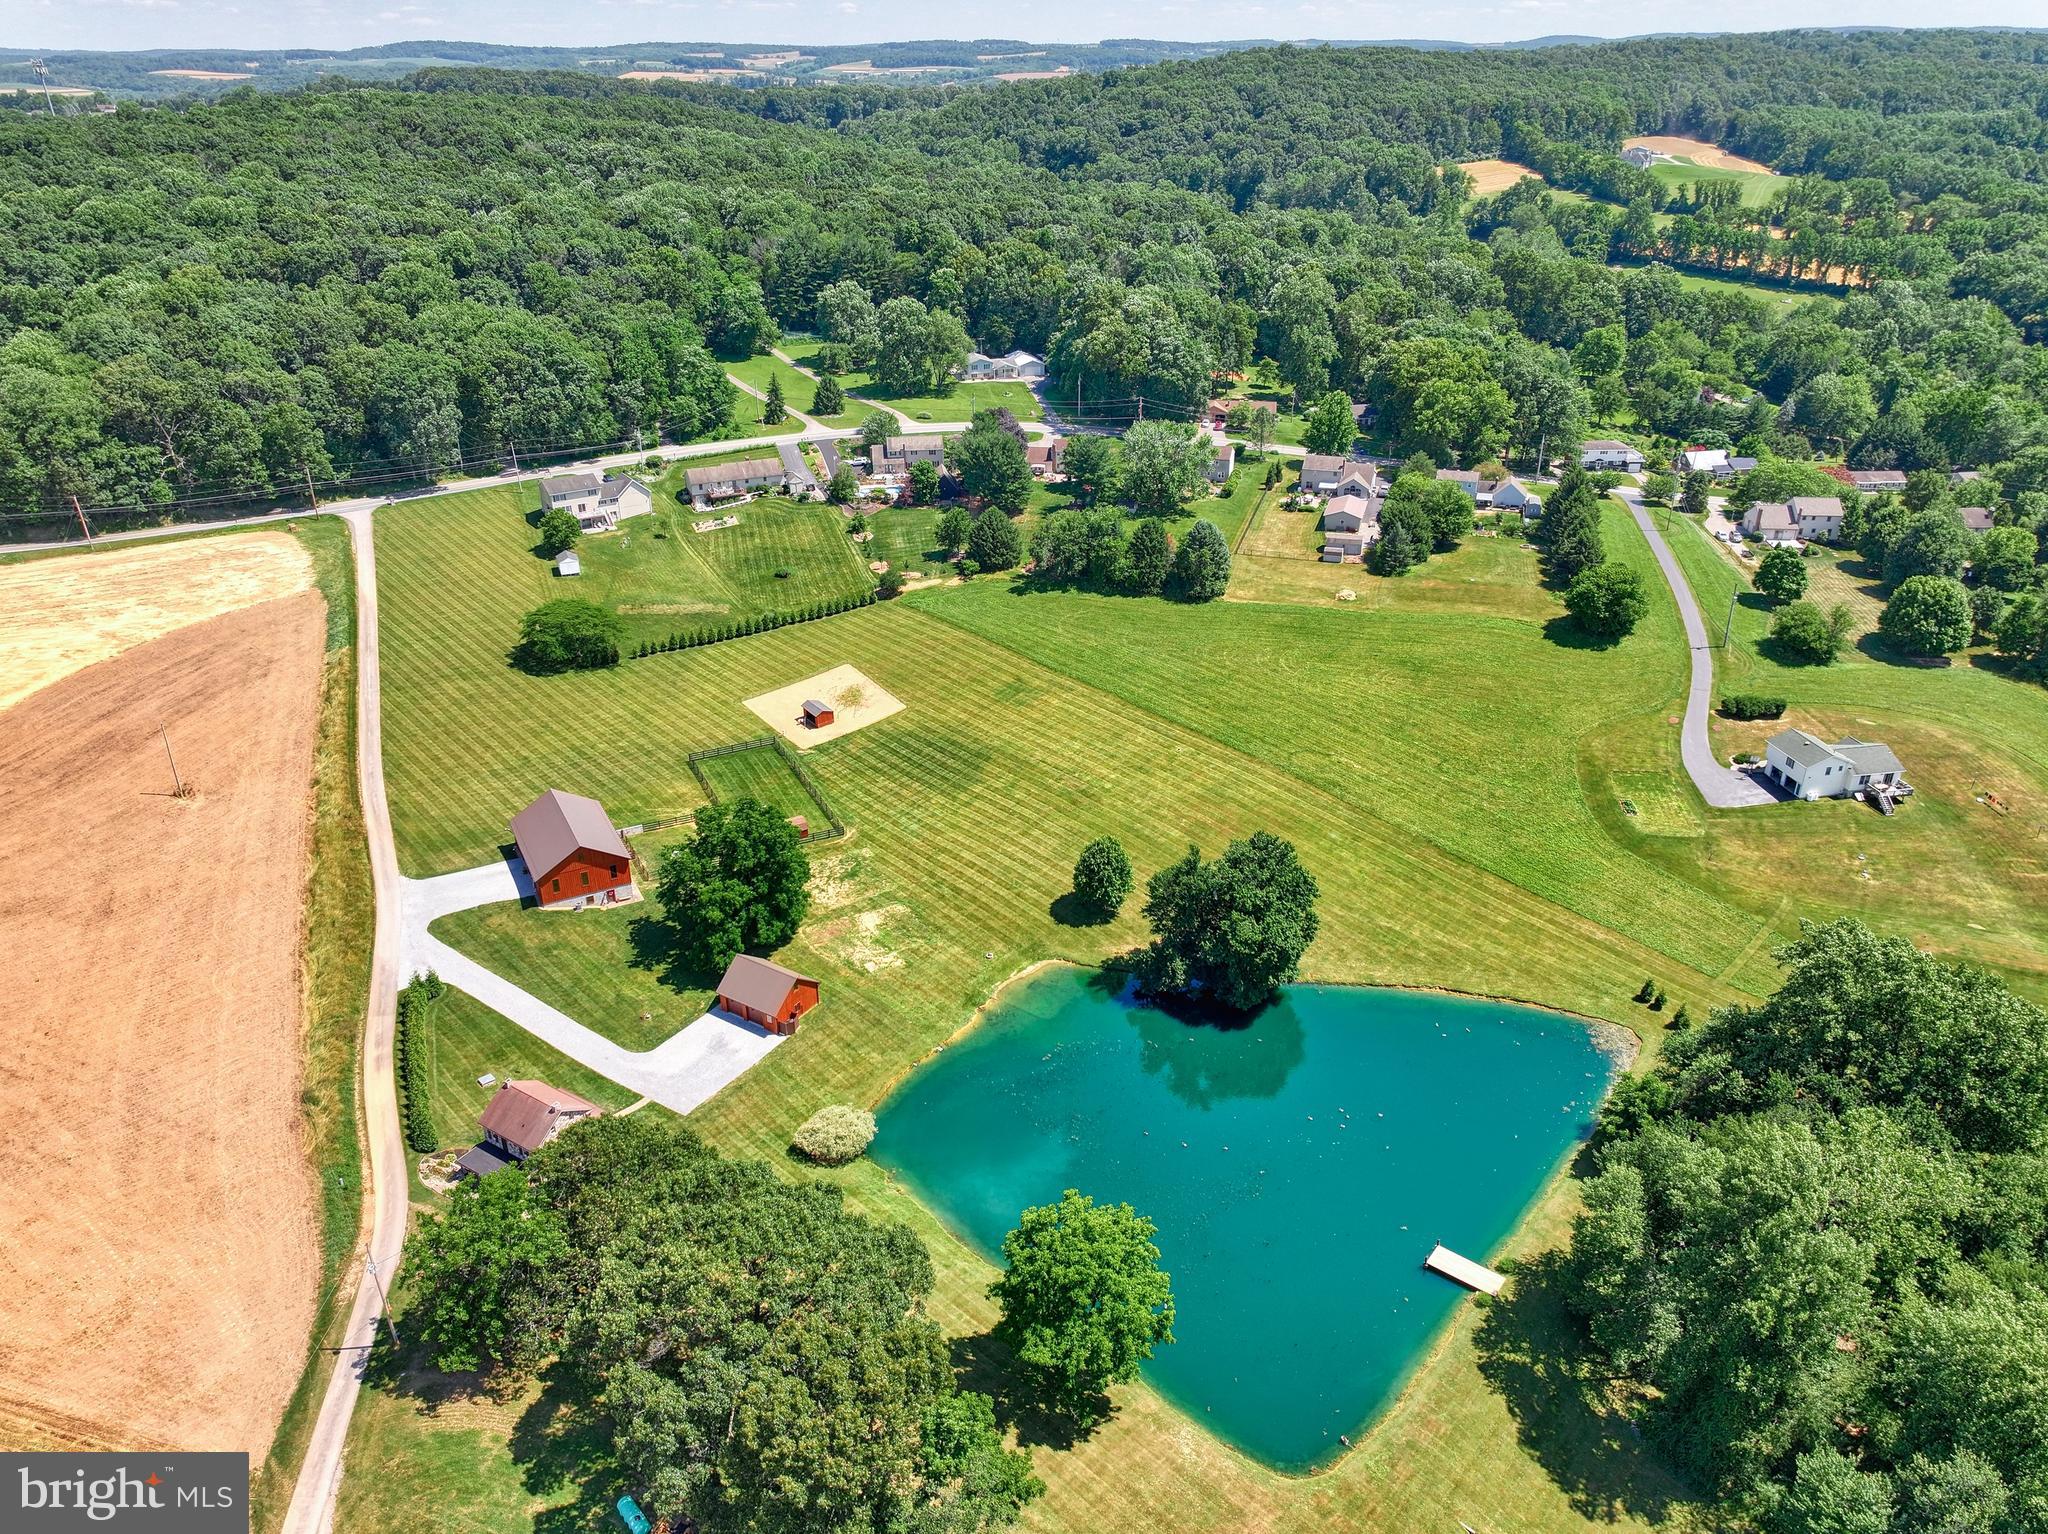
pixel 1463 1270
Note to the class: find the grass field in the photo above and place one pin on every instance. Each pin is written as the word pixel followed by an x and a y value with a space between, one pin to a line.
pixel 461 1039
pixel 763 773
pixel 907 537
pixel 797 390
pixel 1758 187
pixel 959 405
pixel 1449 759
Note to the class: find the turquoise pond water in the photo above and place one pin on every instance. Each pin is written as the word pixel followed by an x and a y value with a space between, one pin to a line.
pixel 1299 1168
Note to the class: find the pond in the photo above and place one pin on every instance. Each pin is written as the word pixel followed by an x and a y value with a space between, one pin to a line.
pixel 1299 1167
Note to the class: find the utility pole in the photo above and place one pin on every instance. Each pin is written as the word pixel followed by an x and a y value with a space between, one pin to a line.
pixel 1728 627
pixel 84 526
pixel 370 1262
pixel 515 455
pixel 312 496
pixel 179 790
pixel 1542 453
pixel 43 78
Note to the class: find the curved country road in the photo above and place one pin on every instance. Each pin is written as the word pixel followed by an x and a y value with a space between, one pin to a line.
pixel 312 1505
pixel 1719 784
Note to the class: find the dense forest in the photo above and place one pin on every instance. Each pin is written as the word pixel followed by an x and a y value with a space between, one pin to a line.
pixel 1817 1243
pixel 238 297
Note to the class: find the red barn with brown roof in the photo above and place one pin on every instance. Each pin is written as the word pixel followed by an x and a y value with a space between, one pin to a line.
pixel 572 852
pixel 763 992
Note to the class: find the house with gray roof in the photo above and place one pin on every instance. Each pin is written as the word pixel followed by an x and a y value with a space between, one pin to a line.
pixel 722 481
pixel 1807 767
pixel 1819 517
pixel 895 455
pixel 1321 471
pixel 1605 453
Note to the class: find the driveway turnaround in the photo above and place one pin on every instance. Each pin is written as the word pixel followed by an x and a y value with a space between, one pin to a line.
pixel 689 1069
pixel 1719 784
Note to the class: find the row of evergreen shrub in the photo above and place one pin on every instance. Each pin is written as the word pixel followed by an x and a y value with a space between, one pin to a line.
pixel 1751 705
pixel 739 628
pixel 419 994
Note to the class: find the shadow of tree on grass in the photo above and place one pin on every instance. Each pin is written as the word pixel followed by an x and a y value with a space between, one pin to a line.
pixel 657 947
pixel 982 1363
pixel 1566 1413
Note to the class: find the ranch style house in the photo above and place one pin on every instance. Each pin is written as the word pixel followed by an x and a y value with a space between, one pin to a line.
pixel 520 1118
pixel 1604 453
pixel 572 853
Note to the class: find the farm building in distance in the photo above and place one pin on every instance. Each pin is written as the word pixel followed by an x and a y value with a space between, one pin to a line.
pixel 572 853
pixel 520 1118
pixel 764 992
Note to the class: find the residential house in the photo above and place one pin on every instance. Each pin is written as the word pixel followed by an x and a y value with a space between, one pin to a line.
pixel 1870 481
pixel 764 992
pixel 895 455
pixel 1774 522
pixel 1321 471
pixel 1809 768
pixel 1045 455
pixel 572 853
pixel 1819 517
pixel 1640 156
pixel 599 503
pixel 1740 465
pixel 1350 525
pixel 720 481
pixel 520 1118
pixel 1603 453
pixel 1977 519
pixel 796 473
pixel 1511 494
pixel 1479 489
pixel 1706 460
pixel 1224 464
pixel 981 368
pixel 1357 479
pixel 1219 412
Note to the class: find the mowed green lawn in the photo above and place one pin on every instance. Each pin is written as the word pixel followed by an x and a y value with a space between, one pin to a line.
pixel 763 774
pixel 1758 187
pixel 959 405
pixel 1442 761
pixel 461 1039
pixel 1950 870
pixel 797 390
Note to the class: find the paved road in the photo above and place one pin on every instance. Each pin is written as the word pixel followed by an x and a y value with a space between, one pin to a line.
pixel 388 1194
pixel 1719 784
pixel 689 1069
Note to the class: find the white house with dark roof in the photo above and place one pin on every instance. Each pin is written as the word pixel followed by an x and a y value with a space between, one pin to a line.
pixel 1604 453
pixel 1871 481
pixel 1807 767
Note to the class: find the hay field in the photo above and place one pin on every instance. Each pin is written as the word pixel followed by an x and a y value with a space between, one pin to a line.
pixel 58 616
pixel 163 1264
pixel 1698 151
pixel 1490 176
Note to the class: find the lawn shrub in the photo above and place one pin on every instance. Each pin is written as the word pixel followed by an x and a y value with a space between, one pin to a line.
pixel 834 1135
pixel 1751 705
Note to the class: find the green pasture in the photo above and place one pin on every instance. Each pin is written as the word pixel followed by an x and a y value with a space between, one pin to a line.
pixel 762 773
pixel 797 390
pixel 957 405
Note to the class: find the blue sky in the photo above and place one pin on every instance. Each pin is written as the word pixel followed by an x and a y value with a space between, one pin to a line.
pixel 122 24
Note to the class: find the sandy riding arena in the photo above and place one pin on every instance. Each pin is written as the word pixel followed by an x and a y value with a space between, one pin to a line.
pixel 162 1252
pixel 59 615
pixel 1490 176
pixel 856 702
pixel 1697 150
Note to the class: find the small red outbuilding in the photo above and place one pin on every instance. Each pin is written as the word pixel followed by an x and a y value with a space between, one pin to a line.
pixel 817 715
pixel 764 992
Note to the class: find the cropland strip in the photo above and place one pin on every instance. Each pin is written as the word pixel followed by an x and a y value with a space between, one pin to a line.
pixel 60 615
pixel 163 1258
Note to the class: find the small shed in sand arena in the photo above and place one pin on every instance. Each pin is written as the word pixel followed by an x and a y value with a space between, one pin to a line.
pixel 762 991
pixel 817 714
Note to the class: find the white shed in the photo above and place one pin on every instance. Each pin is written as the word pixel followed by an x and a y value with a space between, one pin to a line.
pixel 567 563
